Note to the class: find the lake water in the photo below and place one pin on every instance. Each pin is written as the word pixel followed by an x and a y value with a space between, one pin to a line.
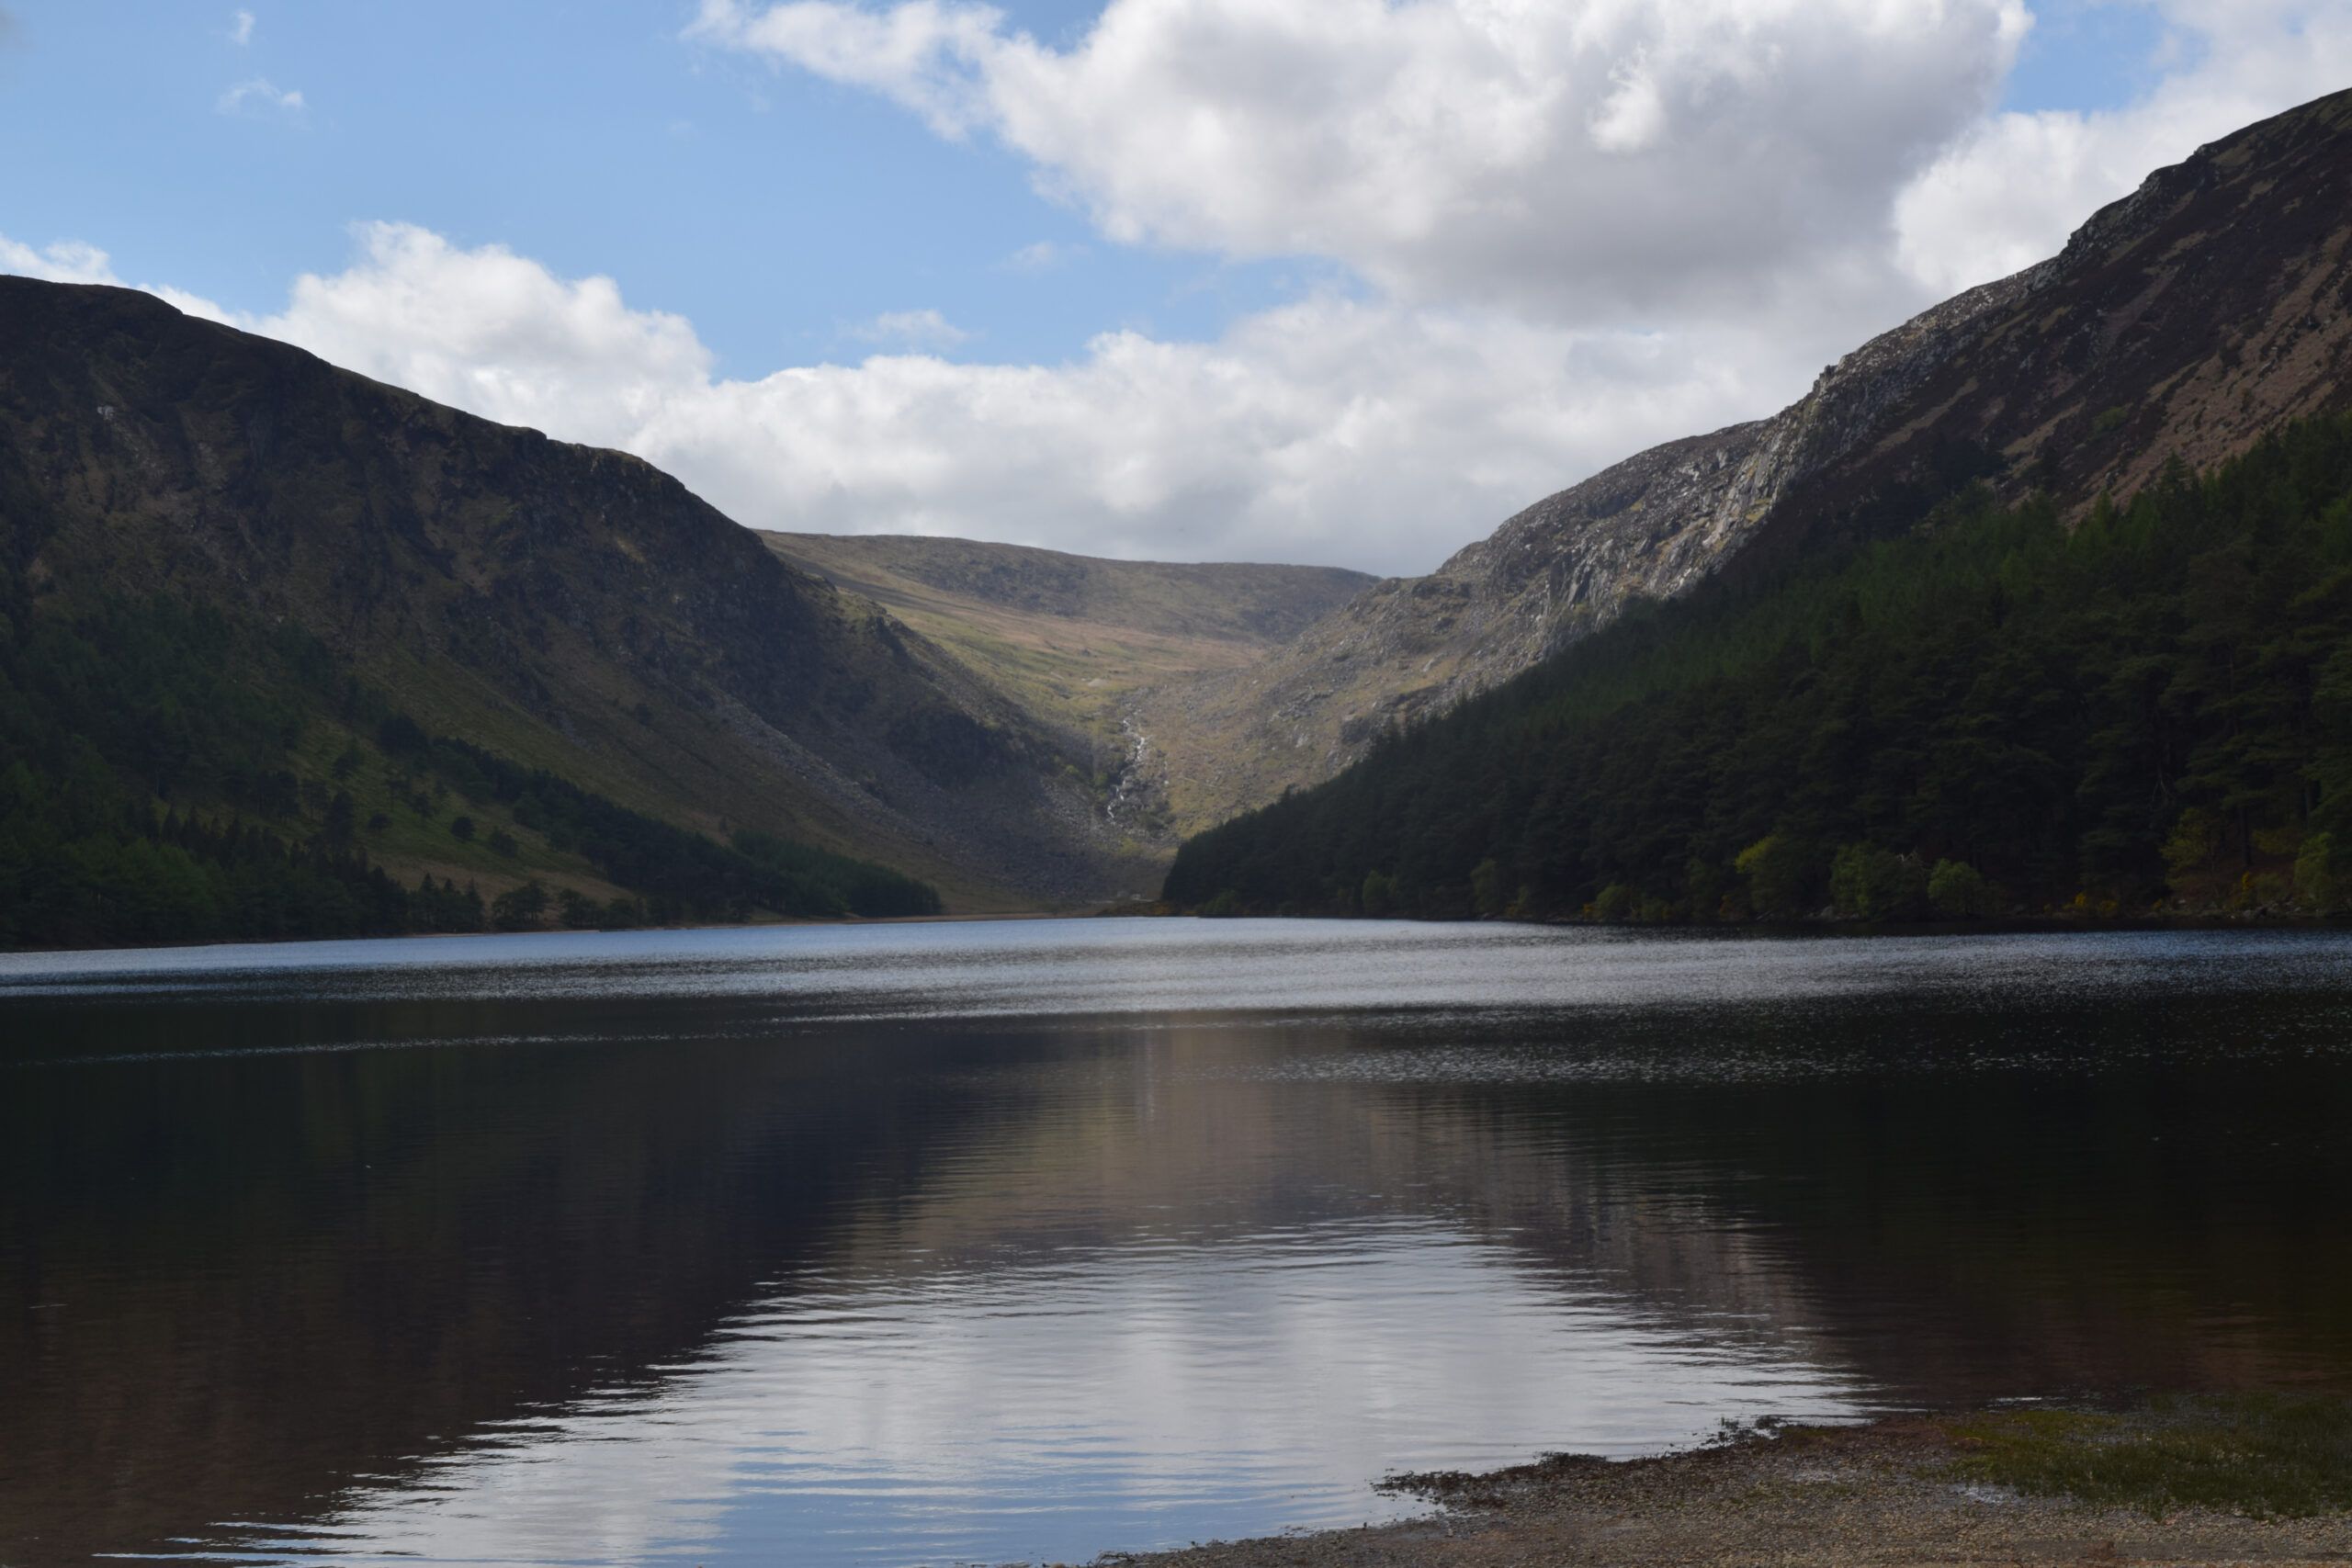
pixel 1006 1242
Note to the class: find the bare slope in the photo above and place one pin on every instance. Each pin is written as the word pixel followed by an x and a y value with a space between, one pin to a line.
pixel 2184 321
pixel 1071 638
pixel 564 608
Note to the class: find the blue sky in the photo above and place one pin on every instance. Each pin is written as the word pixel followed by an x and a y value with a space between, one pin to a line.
pixel 2086 55
pixel 1343 325
pixel 779 212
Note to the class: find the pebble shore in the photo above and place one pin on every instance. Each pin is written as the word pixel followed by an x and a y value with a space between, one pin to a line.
pixel 1884 1494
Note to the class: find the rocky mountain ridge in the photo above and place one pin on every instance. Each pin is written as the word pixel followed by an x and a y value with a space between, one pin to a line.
pixel 2180 322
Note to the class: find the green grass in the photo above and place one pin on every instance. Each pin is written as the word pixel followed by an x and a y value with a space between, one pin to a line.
pixel 1067 638
pixel 2260 1454
pixel 410 840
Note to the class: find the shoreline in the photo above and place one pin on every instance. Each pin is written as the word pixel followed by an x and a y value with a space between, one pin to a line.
pixel 2248 1479
pixel 2021 926
pixel 786 923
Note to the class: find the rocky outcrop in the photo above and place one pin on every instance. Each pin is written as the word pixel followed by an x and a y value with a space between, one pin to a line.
pixel 2208 306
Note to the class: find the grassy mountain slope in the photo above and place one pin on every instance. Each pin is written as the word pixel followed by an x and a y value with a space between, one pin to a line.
pixel 169 771
pixel 2186 320
pixel 559 608
pixel 2150 709
pixel 1071 639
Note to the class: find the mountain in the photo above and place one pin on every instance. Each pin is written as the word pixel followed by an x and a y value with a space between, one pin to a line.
pixel 1071 638
pixel 2042 602
pixel 2185 320
pixel 2148 710
pixel 317 622
pixel 277 642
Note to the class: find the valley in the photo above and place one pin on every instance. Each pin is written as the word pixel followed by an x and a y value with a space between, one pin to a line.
pixel 1784 998
pixel 1016 728
pixel 1074 640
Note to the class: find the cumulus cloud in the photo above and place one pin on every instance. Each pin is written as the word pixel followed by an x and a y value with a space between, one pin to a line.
pixel 258 95
pixel 1331 429
pixel 494 332
pixel 1566 159
pixel 911 329
pixel 240 29
pixel 2010 190
pixel 1327 430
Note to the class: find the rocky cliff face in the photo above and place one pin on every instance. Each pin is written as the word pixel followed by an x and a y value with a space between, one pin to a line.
pixel 2183 322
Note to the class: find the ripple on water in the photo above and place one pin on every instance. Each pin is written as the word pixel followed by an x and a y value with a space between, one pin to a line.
pixel 971 1242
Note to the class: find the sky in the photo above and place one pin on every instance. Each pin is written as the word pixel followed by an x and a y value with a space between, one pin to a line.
pixel 1335 281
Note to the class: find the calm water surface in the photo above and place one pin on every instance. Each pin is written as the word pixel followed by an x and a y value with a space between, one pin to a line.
pixel 1010 1242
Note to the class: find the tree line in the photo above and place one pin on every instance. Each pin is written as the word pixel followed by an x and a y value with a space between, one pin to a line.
pixel 668 866
pixel 1994 713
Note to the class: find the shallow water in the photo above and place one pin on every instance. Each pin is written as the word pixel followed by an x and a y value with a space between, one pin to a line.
pixel 1001 1242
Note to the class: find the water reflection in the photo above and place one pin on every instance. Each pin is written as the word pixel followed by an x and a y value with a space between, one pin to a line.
pixel 802 1246
pixel 1016 1410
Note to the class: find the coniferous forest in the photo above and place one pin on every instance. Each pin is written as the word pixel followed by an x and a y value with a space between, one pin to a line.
pixel 2147 710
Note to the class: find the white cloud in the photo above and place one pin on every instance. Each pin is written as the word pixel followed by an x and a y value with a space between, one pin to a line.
pixel 71 261
pixel 494 333
pixel 240 29
pixel 1044 255
pixel 68 261
pixel 1572 159
pixel 2009 192
pixel 1329 430
pixel 911 329
pixel 258 95
pixel 918 52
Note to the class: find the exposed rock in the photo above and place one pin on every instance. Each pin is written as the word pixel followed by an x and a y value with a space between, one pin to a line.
pixel 2183 322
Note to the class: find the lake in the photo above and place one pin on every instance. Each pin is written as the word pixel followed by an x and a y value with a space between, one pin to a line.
pixel 1020 1241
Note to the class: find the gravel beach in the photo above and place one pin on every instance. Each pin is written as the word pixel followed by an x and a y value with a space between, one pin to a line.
pixel 1896 1492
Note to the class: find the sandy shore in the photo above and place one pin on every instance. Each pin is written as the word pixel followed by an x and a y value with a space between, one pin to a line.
pixel 1905 1491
